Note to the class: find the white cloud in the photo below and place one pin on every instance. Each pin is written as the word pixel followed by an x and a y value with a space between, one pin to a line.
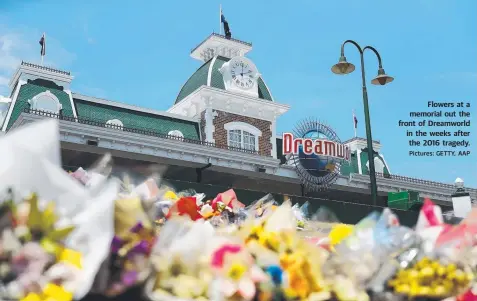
pixel 17 44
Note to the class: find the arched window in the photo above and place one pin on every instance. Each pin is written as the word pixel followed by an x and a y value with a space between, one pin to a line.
pixel 47 102
pixel 242 135
pixel 378 165
pixel 176 133
pixel 115 124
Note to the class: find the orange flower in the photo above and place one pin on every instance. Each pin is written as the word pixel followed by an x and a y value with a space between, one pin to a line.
pixel 186 206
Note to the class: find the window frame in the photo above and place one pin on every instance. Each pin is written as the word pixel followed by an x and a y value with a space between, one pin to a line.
pixel 176 134
pixel 114 124
pixel 243 127
pixel 381 163
pixel 34 102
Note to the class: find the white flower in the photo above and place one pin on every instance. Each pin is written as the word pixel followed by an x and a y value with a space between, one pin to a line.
pixel 206 211
pixel 199 197
pixel 68 275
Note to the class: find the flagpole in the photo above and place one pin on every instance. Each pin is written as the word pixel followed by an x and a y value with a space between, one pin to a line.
pixel 354 124
pixel 42 56
pixel 220 20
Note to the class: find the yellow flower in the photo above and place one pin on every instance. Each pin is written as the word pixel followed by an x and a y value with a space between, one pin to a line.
pixel 72 257
pixel 51 292
pixel 238 280
pixel 339 233
pixel 271 240
pixel 289 261
pixel 236 271
pixel 255 233
pixel 302 275
pixel 170 195
pixel 298 286
pixel 41 226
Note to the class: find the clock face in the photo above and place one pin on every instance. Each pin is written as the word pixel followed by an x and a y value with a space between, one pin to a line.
pixel 243 73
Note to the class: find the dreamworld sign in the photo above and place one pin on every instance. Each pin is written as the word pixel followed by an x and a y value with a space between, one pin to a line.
pixel 317 153
pixel 320 147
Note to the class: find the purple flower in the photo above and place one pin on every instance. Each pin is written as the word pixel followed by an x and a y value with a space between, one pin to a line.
pixel 129 278
pixel 141 248
pixel 138 227
pixel 116 244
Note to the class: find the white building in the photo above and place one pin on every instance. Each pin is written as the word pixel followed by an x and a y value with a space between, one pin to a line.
pixel 220 131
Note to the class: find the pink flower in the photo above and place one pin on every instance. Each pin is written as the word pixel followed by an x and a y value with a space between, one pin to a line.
pixel 242 279
pixel 228 198
pixel 219 255
pixel 236 271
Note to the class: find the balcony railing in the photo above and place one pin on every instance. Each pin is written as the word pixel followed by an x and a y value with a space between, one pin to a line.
pixel 414 180
pixel 141 131
pixel 148 132
pixel 222 36
pixel 26 64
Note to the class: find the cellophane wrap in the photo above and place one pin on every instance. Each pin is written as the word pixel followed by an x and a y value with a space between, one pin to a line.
pixel 52 219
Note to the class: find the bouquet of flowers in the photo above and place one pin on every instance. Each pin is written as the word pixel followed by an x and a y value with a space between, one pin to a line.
pixel 45 230
pixel 36 262
pixel 222 210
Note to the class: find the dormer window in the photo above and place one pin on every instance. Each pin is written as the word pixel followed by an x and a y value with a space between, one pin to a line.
pixel 242 135
pixel 378 165
pixel 115 124
pixel 176 134
pixel 46 102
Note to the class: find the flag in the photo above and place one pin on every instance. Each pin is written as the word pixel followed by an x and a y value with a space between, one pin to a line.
pixel 43 45
pixel 222 18
pixel 227 32
pixel 355 120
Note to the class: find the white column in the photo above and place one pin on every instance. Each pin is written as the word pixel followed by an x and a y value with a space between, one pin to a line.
pixel 273 139
pixel 209 122
pixel 358 155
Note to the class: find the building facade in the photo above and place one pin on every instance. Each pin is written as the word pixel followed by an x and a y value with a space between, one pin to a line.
pixel 219 133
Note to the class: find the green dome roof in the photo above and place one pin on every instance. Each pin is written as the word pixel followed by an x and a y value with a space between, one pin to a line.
pixel 199 78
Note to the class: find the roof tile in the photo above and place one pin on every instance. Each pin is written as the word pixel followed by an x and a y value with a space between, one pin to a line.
pixel 135 119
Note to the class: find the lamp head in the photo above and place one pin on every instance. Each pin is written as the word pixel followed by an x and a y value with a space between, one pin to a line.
pixel 459 183
pixel 342 67
pixel 382 78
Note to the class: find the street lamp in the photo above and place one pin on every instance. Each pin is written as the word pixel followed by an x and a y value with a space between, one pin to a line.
pixel 344 67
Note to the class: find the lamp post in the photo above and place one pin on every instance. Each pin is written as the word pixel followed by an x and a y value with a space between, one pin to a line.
pixel 343 67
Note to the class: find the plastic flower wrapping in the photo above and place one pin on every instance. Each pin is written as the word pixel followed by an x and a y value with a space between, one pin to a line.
pixel 66 236
pixel 47 220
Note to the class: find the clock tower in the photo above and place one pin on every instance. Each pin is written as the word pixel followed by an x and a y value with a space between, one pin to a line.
pixel 230 98
pixel 240 76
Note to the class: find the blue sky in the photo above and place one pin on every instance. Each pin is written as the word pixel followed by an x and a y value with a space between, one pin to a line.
pixel 137 52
